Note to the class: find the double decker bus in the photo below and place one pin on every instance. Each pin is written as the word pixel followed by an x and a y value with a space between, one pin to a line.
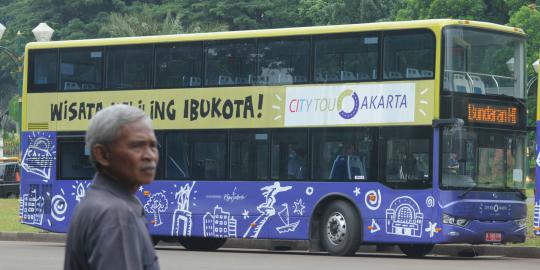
pixel 406 133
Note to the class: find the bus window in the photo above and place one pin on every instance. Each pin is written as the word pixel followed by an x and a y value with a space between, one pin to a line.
pixel 408 55
pixel 249 155
pixel 342 154
pixel 129 67
pixel 283 61
pixel 81 69
pixel 406 157
pixel 179 65
pixel 208 152
pixel 43 71
pixel 176 156
pixel 230 62
pixel 346 57
pixel 289 153
pixel 73 159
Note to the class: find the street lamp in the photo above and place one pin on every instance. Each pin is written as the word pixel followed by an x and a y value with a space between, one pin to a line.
pixel 42 33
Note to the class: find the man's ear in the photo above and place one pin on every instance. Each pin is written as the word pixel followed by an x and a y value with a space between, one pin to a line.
pixel 101 154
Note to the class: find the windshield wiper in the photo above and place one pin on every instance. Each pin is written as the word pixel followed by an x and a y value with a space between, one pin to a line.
pixel 469 189
pixel 522 194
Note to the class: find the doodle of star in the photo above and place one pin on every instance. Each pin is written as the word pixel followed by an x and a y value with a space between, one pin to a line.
pixel 245 214
pixel 140 189
pixel 299 207
pixel 432 229
pixel 356 191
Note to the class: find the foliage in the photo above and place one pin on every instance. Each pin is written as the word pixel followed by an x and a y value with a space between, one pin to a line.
pixel 488 10
pixel 323 12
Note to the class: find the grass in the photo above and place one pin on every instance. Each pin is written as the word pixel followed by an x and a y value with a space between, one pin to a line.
pixel 532 240
pixel 9 217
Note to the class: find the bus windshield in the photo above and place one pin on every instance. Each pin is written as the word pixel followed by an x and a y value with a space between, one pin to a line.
pixel 482 159
pixel 483 62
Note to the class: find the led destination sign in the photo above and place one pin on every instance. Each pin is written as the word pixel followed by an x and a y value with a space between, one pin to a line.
pixel 493 114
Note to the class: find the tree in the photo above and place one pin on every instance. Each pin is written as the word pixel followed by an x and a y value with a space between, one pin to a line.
pixel 488 10
pixel 323 12
pixel 156 205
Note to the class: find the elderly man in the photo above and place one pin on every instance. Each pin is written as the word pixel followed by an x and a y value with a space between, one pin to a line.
pixel 108 229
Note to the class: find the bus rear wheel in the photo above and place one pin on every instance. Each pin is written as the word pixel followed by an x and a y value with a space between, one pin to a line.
pixel 416 250
pixel 340 229
pixel 202 243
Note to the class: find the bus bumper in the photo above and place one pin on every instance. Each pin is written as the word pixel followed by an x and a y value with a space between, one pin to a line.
pixel 484 232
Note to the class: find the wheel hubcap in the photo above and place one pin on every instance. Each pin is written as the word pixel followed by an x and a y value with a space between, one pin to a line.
pixel 336 228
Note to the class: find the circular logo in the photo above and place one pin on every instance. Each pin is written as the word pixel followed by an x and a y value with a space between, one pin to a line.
pixel 58 207
pixel 309 191
pixel 430 201
pixel 354 111
pixel 373 199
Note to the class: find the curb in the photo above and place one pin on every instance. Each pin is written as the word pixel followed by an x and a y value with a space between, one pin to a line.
pixel 456 250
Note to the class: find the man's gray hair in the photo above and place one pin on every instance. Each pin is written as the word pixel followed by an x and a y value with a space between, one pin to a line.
pixel 105 127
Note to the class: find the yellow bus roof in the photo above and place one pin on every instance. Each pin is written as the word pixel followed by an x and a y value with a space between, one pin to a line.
pixel 433 24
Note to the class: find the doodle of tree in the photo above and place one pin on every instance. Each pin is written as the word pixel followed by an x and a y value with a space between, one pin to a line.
pixel 157 204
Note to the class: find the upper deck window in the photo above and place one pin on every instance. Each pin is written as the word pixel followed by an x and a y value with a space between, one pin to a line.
pixel 81 69
pixel 129 67
pixel 483 62
pixel 346 57
pixel 43 67
pixel 179 65
pixel 283 60
pixel 408 55
pixel 230 62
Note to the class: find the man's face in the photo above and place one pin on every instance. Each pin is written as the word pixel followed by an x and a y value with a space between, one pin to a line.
pixel 133 156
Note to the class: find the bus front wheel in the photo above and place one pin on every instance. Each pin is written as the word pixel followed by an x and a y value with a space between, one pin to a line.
pixel 416 250
pixel 202 243
pixel 340 229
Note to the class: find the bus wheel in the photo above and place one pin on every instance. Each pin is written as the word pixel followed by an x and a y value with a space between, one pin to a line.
pixel 340 229
pixel 202 243
pixel 155 240
pixel 416 250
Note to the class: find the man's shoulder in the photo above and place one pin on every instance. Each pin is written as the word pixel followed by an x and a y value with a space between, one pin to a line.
pixel 101 202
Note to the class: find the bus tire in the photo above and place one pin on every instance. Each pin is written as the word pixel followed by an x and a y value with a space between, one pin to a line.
pixel 202 243
pixel 155 240
pixel 341 231
pixel 416 250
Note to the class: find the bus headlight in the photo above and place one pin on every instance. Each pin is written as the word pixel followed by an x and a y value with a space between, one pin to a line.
pixel 521 222
pixel 448 219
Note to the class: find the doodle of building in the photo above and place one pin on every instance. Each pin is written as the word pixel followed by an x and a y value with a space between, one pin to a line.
pixel 404 217
pixel 32 208
pixel 537 218
pixel 182 215
pixel 220 224
pixel 266 209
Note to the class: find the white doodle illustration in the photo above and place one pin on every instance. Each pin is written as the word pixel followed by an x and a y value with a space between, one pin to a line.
pixel 299 207
pixel 356 191
pixel 32 208
pixel 404 217
pixel 182 214
pixel 234 196
pixel 58 207
pixel 287 225
pixel 156 204
pixel 266 209
pixel 432 229
pixel 220 224
pixel 141 189
pixel 80 190
pixel 309 191
pixel 374 227
pixel 38 158
pixel 430 201
pixel 245 214
pixel 537 218
pixel 373 199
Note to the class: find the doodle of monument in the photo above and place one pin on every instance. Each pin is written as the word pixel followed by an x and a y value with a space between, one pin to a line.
pixel 37 158
pixel 182 215
pixel 404 217
pixel 156 205
pixel 287 225
pixel 220 224
pixel 266 209
pixel 537 218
